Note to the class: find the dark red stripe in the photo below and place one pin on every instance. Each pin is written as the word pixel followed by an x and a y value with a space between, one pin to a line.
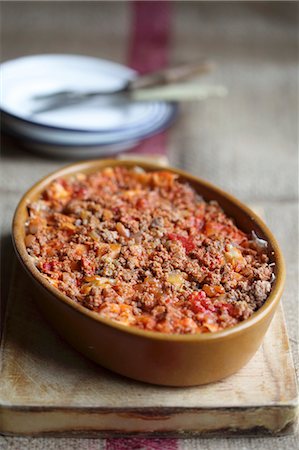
pixel 149 45
pixel 154 145
pixel 149 51
pixel 141 444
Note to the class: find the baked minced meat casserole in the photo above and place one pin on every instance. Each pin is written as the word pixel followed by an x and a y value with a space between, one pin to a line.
pixel 143 249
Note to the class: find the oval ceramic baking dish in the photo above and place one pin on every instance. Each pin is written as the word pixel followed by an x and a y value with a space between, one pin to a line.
pixel 165 359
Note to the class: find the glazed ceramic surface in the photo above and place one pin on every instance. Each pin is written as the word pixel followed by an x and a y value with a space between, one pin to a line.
pixel 173 360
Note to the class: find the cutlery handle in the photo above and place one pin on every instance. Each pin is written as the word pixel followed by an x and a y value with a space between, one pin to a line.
pixel 179 92
pixel 169 75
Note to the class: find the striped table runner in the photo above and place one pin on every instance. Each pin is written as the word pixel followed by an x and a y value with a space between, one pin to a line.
pixel 148 51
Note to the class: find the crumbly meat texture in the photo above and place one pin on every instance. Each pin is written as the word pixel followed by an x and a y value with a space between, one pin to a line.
pixel 143 249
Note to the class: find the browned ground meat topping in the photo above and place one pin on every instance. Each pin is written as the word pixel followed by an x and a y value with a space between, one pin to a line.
pixel 142 248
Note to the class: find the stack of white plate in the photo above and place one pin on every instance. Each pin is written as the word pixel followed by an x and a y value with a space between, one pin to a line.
pixel 100 126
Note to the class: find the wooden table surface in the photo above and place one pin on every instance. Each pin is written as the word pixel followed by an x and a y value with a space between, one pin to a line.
pixel 246 143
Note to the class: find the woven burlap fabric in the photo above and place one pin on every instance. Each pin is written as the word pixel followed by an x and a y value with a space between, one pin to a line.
pixel 246 143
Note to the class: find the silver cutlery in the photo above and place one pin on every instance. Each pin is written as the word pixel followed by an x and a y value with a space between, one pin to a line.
pixel 164 85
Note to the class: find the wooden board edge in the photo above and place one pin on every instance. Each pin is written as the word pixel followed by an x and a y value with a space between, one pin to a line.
pixel 274 420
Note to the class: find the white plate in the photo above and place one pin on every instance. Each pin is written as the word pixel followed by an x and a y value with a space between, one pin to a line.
pixel 164 117
pixel 23 78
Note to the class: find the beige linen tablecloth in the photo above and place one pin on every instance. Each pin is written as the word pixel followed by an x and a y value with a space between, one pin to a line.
pixel 246 143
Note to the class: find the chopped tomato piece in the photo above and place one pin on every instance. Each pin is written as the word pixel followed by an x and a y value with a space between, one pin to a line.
pixel 188 242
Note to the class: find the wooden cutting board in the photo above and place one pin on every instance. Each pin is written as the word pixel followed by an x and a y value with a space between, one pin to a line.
pixel 48 388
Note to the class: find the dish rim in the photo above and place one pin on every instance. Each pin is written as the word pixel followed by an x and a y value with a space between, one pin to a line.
pixel 99 164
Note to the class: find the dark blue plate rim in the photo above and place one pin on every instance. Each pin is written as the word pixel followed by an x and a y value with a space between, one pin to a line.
pixel 5 114
pixel 167 124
